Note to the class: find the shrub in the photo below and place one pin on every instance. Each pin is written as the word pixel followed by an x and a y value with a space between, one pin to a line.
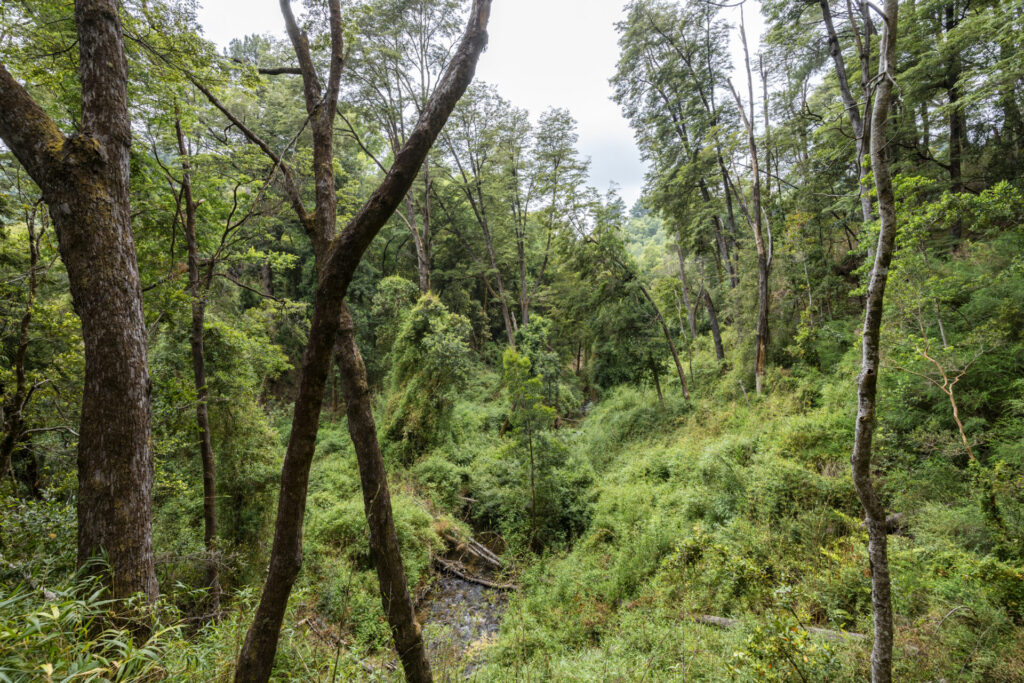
pixel 442 479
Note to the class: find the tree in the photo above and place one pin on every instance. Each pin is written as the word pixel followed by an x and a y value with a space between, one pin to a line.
pixel 528 416
pixel 332 333
pixel 758 220
pixel 198 289
pixel 472 144
pixel 396 64
pixel 860 123
pixel 672 60
pixel 867 383
pixel 558 174
pixel 225 203
pixel 84 181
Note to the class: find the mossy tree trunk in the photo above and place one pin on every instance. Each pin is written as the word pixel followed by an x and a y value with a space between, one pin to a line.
pixel 84 181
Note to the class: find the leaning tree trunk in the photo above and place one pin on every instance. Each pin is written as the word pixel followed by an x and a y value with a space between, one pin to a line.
pixel 668 339
pixel 256 659
pixel 867 384
pixel 384 550
pixel 716 332
pixel 852 109
pixel 84 180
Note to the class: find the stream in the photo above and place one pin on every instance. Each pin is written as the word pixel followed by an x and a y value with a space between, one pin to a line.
pixel 460 620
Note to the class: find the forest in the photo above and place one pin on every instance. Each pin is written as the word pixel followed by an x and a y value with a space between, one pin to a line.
pixel 321 360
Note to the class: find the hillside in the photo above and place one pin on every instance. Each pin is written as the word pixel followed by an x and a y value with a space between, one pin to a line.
pixel 321 359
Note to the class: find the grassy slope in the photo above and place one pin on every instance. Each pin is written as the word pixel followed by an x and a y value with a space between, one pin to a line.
pixel 717 508
pixel 748 512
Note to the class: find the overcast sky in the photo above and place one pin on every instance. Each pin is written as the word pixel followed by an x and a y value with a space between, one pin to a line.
pixel 542 53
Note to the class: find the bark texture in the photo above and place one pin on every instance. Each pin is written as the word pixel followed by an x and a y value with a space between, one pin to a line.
pixel 84 180
pixel 384 550
pixel 867 383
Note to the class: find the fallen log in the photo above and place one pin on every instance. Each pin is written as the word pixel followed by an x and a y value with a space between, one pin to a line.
pixel 484 551
pixel 475 549
pixel 459 571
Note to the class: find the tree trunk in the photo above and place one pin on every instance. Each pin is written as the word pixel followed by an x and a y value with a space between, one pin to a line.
pixel 384 550
pixel 476 200
pixel 506 316
pixel 540 273
pixel 485 228
pixel 956 115
pixel 691 317
pixel 957 125
pixel 761 350
pixel 198 294
pixel 668 339
pixel 533 491
pixel 84 179
pixel 881 655
pixel 757 225
pixel 723 251
pixel 427 221
pixel 657 383
pixel 521 253
pixel 730 214
pixel 852 109
pixel 337 259
pixel 422 260
pixel 716 333
pixel 256 659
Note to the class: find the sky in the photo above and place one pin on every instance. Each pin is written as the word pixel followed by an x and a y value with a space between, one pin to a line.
pixel 541 54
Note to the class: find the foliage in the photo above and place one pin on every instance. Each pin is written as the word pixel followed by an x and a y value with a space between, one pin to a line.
pixel 528 396
pixel 431 362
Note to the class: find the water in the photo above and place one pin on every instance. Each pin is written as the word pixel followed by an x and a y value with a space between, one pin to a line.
pixel 461 619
